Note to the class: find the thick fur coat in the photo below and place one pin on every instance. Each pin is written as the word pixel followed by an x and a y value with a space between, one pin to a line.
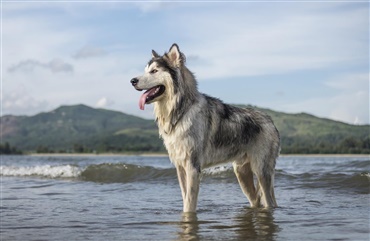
pixel 200 131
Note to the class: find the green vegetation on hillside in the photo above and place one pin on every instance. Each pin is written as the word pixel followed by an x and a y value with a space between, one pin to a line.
pixel 307 134
pixel 82 129
pixel 6 149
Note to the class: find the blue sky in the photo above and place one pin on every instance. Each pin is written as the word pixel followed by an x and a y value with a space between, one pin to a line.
pixel 301 56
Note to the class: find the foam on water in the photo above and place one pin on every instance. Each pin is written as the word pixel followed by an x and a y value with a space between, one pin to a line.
pixel 218 170
pixel 62 171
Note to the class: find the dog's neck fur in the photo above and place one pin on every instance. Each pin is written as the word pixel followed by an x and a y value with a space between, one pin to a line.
pixel 175 104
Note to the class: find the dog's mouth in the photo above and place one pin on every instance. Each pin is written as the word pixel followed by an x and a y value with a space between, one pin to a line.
pixel 150 95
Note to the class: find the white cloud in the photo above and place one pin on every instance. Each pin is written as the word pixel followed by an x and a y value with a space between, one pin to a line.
pixel 88 52
pixel 148 6
pixel 350 103
pixel 58 65
pixel 20 102
pixel 104 102
pixel 263 42
pixel 26 66
pixel 55 66
pixel 35 37
pixel 37 46
pixel 350 82
pixel 352 108
pixel 221 41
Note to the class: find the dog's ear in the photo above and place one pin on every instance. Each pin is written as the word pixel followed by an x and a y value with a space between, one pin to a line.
pixel 175 56
pixel 154 54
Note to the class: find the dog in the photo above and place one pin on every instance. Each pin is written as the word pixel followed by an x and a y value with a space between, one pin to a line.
pixel 200 131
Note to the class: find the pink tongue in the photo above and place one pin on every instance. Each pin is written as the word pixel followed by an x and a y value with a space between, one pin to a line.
pixel 143 98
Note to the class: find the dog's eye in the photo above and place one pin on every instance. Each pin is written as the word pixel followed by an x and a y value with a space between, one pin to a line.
pixel 153 71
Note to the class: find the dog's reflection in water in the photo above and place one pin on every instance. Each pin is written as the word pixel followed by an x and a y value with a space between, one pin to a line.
pixel 256 224
pixel 249 224
pixel 189 227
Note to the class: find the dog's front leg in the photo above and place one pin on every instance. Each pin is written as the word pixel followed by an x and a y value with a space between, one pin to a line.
pixel 192 188
pixel 181 175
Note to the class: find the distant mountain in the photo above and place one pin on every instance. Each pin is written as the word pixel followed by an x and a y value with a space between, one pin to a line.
pixel 80 128
pixel 305 133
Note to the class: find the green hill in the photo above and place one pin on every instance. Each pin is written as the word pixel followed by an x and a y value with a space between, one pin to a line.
pixel 308 134
pixel 81 128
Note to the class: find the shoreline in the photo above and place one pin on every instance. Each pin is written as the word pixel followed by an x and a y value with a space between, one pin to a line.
pixel 326 155
pixel 100 154
pixel 166 155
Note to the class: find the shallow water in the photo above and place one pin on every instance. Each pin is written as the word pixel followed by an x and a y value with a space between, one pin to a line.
pixel 138 198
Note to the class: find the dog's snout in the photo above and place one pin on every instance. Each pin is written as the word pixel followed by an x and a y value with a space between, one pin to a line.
pixel 134 81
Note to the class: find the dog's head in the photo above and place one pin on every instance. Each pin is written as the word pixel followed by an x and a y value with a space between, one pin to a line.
pixel 160 76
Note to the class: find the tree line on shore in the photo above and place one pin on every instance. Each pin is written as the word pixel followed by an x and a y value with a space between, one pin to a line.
pixel 6 149
pixel 349 145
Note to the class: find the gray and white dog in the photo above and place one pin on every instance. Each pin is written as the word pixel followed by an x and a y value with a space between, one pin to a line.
pixel 200 131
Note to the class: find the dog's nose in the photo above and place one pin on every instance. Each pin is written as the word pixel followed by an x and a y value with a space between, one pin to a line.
pixel 134 81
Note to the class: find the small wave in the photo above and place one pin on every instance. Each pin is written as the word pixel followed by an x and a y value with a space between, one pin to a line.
pixel 108 173
pixel 356 182
pixel 105 173
pixel 355 164
pixel 63 171
pixel 366 174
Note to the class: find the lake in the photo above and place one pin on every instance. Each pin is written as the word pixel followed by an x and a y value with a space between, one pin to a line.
pixel 138 198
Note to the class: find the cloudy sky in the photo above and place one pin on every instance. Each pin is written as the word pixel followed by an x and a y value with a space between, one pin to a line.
pixel 288 56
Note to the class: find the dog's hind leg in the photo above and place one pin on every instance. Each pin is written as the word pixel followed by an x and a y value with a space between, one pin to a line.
pixel 273 194
pixel 245 179
pixel 266 182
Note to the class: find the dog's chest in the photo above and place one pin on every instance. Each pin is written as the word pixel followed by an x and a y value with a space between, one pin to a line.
pixel 178 142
